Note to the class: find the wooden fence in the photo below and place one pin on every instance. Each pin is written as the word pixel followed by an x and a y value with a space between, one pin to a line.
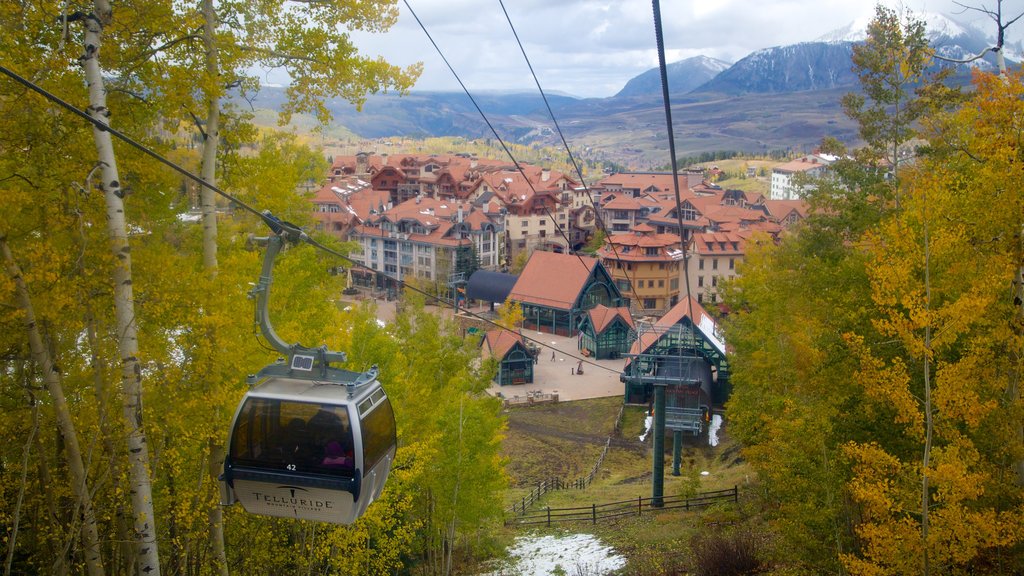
pixel 547 485
pixel 637 507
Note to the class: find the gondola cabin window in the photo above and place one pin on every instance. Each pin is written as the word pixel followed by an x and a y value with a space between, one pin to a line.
pixel 293 436
pixel 377 422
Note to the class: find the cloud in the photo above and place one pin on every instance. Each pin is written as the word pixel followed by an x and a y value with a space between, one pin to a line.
pixel 592 48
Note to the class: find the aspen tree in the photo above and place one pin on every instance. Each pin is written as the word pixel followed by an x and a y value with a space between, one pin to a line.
pixel 147 553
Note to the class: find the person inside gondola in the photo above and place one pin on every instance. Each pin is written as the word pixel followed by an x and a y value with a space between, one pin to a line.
pixel 323 427
pixel 295 448
pixel 336 457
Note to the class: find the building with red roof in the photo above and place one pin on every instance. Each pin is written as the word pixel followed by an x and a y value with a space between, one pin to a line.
pixel 556 290
pixel 685 352
pixel 606 332
pixel 428 239
pixel 646 267
pixel 515 363
pixel 713 258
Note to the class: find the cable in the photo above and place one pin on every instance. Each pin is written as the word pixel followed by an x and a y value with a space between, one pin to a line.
pixel 597 213
pixel 659 38
pixel 561 232
pixel 99 125
pixel 279 227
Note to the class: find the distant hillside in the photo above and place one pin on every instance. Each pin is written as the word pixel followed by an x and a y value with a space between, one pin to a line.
pixel 785 97
pixel 683 76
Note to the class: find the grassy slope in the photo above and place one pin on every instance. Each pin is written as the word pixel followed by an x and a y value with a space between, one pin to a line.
pixel 567 437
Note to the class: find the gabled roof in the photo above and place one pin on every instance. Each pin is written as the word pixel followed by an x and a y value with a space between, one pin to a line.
pixel 601 317
pixel 553 280
pixel 705 324
pixel 498 342
pixel 779 209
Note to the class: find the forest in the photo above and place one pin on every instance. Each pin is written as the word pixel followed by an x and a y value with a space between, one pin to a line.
pixel 877 351
pixel 127 330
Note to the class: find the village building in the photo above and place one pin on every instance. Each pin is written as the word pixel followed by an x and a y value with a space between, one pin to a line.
pixel 428 239
pixel 515 363
pixel 784 185
pixel 606 333
pixel 342 203
pixel 537 208
pixel 713 258
pixel 555 291
pixel 646 267
pixel 685 352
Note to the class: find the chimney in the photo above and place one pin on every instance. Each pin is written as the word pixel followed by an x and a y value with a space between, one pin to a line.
pixel 461 214
pixel 361 163
pixel 472 163
pixel 545 174
pixel 384 158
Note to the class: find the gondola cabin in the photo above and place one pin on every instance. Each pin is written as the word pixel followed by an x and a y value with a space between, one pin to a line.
pixel 310 444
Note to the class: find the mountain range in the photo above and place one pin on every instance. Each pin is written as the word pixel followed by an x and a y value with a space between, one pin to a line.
pixel 785 97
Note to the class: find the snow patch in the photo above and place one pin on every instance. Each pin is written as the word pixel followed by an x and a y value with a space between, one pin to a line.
pixel 573 553
pixel 648 422
pixel 716 423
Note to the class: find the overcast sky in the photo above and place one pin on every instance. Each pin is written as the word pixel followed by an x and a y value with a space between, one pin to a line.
pixel 592 47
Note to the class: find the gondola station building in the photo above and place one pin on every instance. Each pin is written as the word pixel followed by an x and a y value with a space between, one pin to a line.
pixel 555 291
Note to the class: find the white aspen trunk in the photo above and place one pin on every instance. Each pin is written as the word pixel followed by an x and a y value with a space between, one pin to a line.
pixel 42 358
pixel 208 199
pixel 211 143
pixel 140 487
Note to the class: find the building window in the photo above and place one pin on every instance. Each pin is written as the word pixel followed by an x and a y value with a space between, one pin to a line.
pixel 714 263
pixel 661 283
pixel 732 263
pixel 700 264
pixel 700 281
pixel 650 303
pixel 714 281
pixel 524 223
pixel 674 284
pixel 543 222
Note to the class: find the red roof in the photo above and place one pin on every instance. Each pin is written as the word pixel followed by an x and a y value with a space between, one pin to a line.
pixel 601 317
pixel 553 280
pixel 499 341
pixel 704 322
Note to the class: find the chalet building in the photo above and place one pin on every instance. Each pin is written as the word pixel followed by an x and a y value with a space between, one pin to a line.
pixel 640 184
pixel 786 212
pixel 646 267
pixel 713 258
pixel 429 239
pixel 685 352
pixel 515 363
pixel 542 210
pixel 555 291
pixel 783 186
pixel 536 207
pixel 622 213
pixel 342 204
pixel 606 332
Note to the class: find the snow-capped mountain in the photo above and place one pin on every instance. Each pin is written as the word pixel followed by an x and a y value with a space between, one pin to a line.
pixel 793 68
pixel 826 63
pixel 683 76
